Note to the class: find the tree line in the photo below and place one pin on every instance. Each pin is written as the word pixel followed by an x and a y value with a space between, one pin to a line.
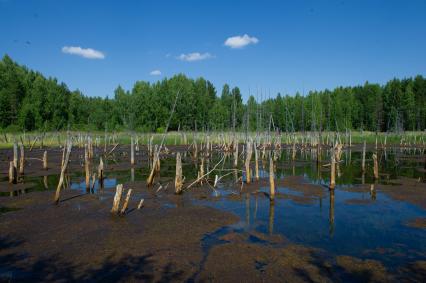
pixel 29 101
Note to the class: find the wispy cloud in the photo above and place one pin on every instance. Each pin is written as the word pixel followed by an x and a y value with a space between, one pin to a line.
pixel 88 53
pixel 240 41
pixel 155 73
pixel 195 56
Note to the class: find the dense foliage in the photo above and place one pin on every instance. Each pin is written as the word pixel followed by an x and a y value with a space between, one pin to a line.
pixel 29 101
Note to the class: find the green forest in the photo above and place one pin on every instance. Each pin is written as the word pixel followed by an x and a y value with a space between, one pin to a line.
pixel 29 101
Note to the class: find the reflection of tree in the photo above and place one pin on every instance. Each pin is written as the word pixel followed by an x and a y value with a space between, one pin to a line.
pixel 271 217
pixel 331 213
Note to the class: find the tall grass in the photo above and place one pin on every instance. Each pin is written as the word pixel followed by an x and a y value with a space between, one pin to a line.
pixel 55 139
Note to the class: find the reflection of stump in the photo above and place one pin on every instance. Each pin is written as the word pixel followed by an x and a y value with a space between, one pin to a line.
pixel 46 184
pixel 331 213
pixel 271 217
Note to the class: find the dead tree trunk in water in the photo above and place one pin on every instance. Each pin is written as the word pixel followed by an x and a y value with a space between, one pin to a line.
pixel 22 160
pixel 178 178
pixel 12 173
pixel 87 167
pixel 45 160
pixel 126 202
pixel 376 167
pixel 271 179
pixel 67 151
pixel 248 159
pixel 333 170
pixel 132 151
pixel 363 157
pixel 117 199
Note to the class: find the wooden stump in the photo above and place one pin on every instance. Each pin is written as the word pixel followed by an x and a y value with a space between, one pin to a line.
pixel 363 156
pixel 256 157
pixel 178 178
pixel 132 151
pixel 271 179
pixel 101 170
pixel 21 159
pixel 333 170
pixel 376 167
pixel 45 160
pixel 247 164
pixel 12 173
pixel 67 152
pixel 117 199
pixel 87 167
pixel 126 202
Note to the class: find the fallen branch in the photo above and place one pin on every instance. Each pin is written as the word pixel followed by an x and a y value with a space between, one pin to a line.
pixel 201 177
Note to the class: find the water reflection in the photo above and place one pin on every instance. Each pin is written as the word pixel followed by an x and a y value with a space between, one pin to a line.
pixel 331 213
pixel 271 217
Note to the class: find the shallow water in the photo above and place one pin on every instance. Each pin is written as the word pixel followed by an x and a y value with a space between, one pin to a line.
pixel 342 222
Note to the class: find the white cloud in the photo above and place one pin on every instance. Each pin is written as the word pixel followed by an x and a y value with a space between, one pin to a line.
pixel 196 56
pixel 88 53
pixel 240 41
pixel 155 73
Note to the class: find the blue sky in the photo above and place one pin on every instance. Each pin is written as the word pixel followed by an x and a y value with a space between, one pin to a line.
pixel 291 45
